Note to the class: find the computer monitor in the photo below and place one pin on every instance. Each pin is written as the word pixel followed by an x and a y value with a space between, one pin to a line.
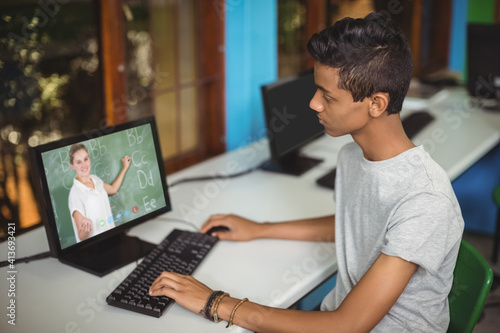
pixel 100 244
pixel 483 63
pixel 291 124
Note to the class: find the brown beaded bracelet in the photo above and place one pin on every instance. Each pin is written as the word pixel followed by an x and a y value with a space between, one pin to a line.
pixel 215 316
pixel 230 323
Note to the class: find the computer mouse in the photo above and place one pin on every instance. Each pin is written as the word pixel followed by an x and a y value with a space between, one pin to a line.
pixel 217 228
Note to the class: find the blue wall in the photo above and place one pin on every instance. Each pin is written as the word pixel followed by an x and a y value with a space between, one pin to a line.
pixel 464 11
pixel 251 61
pixel 456 57
pixel 474 187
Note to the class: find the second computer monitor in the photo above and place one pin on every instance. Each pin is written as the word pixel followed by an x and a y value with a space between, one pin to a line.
pixel 483 64
pixel 291 123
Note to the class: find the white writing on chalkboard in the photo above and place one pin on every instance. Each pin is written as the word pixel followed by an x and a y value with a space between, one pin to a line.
pixel 104 170
pixel 64 157
pixel 149 205
pixel 68 180
pixel 145 180
pixel 137 159
pixel 96 148
pixel 134 137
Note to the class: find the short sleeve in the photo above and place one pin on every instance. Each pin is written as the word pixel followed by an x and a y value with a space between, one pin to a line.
pixel 75 203
pixel 423 230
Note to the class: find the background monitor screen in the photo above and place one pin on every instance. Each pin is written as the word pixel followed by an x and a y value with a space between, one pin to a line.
pixel 290 122
pixel 483 61
pixel 141 195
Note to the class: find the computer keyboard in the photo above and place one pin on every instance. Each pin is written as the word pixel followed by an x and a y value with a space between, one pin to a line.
pixel 181 252
pixel 416 122
pixel 328 179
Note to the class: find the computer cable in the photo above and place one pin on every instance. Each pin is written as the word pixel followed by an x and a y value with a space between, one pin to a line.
pixel 25 259
pixel 207 177
pixel 47 254
pixel 183 180
pixel 173 219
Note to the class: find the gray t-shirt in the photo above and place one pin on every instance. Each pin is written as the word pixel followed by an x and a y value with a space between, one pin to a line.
pixel 405 207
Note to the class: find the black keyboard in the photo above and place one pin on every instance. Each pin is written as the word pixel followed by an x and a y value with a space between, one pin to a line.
pixel 416 122
pixel 328 179
pixel 181 252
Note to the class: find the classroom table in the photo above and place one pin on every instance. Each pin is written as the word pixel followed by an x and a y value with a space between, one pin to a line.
pixel 53 297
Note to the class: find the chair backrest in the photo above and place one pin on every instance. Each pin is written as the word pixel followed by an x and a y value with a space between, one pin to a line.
pixel 472 281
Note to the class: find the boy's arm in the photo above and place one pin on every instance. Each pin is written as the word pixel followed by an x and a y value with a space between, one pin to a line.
pixel 362 309
pixel 377 291
pixel 241 229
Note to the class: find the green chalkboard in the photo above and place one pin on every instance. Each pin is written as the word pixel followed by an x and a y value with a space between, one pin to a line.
pixel 141 191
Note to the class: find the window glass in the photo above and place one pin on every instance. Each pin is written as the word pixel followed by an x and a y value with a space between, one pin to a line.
pixel 292 37
pixel 299 19
pixel 338 9
pixel 50 87
pixel 162 70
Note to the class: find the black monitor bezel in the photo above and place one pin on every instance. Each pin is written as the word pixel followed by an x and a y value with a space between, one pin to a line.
pixel 478 32
pixel 265 91
pixel 290 161
pixel 46 208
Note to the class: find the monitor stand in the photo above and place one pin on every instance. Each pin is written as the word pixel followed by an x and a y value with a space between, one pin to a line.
pixel 108 255
pixel 291 164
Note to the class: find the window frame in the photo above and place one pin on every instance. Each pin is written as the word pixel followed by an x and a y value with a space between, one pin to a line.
pixel 210 29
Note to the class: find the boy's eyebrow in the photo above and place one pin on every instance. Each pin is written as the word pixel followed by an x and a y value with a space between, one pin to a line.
pixel 323 89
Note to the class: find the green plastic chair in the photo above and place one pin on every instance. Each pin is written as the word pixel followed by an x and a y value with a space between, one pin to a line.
pixel 472 279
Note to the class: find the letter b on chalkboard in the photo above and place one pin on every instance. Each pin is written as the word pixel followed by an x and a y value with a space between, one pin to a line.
pixel 144 179
pixel 133 137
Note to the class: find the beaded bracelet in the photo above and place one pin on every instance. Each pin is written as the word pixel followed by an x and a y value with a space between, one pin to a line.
pixel 215 316
pixel 230 323
pixel 205 312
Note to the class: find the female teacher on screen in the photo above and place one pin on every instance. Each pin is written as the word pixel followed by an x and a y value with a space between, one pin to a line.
pixel 88 198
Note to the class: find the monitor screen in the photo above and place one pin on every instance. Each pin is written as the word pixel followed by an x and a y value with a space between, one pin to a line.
pixel 291 123
pixel 95 186
pixel 483 61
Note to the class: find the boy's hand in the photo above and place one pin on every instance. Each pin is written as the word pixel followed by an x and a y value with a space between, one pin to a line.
pixel 240 229
pixel 184 289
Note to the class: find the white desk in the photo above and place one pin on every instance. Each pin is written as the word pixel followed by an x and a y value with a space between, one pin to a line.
pixel 53 297
pixel 460 134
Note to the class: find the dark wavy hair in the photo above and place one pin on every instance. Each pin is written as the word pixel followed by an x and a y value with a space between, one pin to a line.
pixel 371 54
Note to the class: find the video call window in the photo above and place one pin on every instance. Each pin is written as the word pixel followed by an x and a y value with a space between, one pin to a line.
pixel 102 159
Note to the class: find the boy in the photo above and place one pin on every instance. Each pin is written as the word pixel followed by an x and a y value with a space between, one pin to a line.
pixel 397 225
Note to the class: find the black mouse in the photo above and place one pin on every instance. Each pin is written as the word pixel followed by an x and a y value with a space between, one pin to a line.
pixel 218 228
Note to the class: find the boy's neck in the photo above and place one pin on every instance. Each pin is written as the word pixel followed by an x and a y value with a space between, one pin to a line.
pixel 383 138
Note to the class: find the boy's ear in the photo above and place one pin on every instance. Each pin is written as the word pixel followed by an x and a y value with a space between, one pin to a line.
pixel 378 104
